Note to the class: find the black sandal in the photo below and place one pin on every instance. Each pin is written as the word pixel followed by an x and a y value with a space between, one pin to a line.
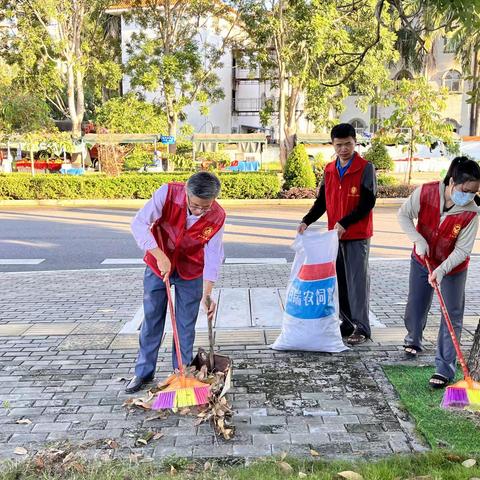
pixel 441 383
pixel 356 339
pixel 411 351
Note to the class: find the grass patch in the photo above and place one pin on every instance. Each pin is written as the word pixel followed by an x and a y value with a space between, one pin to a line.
pixel 435 466
pixel 453 429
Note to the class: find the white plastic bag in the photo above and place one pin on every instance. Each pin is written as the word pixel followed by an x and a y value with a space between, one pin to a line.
pixel 310 319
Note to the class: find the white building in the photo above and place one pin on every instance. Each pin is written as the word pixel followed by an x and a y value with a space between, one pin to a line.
pixel 246 94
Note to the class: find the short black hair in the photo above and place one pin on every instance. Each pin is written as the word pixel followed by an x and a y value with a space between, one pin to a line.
pixel 343 130
pixel 204 185
pixel 462 169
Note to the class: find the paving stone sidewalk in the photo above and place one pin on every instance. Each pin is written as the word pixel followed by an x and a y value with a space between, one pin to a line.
pixel 62 372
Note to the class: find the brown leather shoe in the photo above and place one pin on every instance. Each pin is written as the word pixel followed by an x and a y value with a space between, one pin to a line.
pixel 136 383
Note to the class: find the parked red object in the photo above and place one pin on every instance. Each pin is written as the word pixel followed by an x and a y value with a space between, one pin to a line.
pixel 26 166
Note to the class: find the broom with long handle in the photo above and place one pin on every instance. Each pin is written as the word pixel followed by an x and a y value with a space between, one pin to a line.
pixel 466 392
pixel 180 390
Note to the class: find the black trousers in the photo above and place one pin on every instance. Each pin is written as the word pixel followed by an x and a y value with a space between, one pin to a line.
pixel 354 286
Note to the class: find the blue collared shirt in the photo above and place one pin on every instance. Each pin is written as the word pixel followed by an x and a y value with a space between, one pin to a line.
pixel 342 170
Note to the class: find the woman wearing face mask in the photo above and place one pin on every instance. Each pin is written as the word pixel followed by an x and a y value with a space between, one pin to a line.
pixel 445 233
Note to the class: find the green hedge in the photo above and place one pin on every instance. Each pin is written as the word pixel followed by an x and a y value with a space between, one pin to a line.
pixel 20 186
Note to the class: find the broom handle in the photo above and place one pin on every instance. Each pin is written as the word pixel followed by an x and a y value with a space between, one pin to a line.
pixel 446 316
pixel 210 332
pixel 174 327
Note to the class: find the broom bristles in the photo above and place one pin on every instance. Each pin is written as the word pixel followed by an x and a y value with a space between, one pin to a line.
pixel 202 394
pixel 474 398
pixel 164 401
pixel 181 397
pixel 455 397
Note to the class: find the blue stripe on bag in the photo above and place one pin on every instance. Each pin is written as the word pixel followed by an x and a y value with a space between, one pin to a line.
pixel 309 300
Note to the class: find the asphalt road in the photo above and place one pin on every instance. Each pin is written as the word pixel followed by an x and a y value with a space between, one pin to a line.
pixel 78 238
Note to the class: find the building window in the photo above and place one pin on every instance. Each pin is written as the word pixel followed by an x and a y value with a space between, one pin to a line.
pixel 358 125
pixel 447 45
pixel 403 75
pixel 452 81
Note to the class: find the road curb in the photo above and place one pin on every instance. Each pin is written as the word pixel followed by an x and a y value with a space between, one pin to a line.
pixel 137 203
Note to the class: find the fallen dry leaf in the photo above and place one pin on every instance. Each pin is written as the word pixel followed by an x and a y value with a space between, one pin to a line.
pixel 302 475
pixel 451 457
pixel 314 453
pixel 349 475
pixel 469 463
pixel 24 421
pixel 207 466
pixel 285 467
pixel 112 444
pixel 157 435
pixel 173 470
pixel 20 451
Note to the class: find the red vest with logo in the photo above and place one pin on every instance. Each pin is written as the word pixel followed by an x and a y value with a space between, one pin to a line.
pixel 183 247
pixel 342 196
pixel 441 237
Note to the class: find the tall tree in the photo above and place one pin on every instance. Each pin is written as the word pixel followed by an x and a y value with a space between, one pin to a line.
pixel 178 49
pixel 313 52
pixel 55 45
pixel 416 117
pixel 465 42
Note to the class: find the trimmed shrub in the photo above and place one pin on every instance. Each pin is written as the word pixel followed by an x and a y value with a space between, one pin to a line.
pixel 18 186
pixel 379 156
pixel 386 180
pixel 319 164
pixel 395 191
pixel 298 171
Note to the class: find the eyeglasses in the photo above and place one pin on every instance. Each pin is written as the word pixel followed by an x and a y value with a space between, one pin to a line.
pixel 198 208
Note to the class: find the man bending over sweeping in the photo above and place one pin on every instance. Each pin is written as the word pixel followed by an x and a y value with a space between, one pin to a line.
pixel 180 229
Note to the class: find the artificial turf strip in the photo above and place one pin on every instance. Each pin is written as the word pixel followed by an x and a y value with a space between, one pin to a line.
pixel 452 429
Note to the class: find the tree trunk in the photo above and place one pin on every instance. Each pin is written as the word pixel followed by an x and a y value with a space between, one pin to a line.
pixel 410 162
pixel 281 120
pixel 474 107
pixel 474 358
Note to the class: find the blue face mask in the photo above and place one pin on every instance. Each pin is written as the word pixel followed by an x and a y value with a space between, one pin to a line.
pixel 461 198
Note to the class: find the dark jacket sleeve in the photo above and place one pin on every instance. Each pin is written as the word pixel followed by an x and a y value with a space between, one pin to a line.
pixel 368 196
pixel 318 208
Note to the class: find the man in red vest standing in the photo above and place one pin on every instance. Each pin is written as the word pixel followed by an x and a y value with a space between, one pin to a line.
pixel 181 232
pixel 348 193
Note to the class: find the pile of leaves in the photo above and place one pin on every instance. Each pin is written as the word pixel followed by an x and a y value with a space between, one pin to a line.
pixel 218 411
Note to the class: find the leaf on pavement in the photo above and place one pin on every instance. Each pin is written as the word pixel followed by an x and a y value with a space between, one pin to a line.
pixel 285 467
pixel 349 475
pixel 20 451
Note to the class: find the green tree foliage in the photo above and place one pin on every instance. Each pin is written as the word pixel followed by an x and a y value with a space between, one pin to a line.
pixel 379 156
pixel 313 51
pixel 129 114
pixel 60 47
pixel 179 57
pixel 298 171
pixel 416 117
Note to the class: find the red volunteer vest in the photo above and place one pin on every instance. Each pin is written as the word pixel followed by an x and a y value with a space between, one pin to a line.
pixel 183 247
pixel 343 195
pixel 441 238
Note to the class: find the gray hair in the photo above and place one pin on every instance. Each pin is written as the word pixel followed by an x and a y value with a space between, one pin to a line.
pixel 203 185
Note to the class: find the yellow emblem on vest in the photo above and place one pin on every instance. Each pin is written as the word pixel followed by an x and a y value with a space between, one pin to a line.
pixel 456 230
pixel 206 233
pixel 353 191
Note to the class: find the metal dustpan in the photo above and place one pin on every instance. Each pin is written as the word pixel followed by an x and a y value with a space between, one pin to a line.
pixel 214 361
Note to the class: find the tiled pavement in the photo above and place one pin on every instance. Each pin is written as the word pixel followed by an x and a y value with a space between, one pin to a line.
pixel 61 359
